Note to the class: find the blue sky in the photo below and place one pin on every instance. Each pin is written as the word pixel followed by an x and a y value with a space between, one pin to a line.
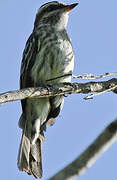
pixel 93 29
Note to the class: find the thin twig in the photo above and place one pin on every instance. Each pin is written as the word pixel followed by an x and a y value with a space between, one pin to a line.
pixel 99 93
pixel 90 155
pixel 89 76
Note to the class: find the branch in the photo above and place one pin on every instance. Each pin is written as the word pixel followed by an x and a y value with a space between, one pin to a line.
pixel 90 76
pixel 90 155
pixel 61 89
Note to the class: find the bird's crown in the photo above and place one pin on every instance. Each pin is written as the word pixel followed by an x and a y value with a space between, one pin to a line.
pixel 52 6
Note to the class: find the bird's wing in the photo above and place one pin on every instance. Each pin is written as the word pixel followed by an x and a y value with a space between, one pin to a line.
pixel 28 60
pixel 29 159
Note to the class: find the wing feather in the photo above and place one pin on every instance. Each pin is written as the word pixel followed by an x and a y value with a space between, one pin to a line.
pixel 28 60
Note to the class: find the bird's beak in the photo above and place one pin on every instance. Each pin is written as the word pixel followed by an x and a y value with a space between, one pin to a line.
pixel 68 8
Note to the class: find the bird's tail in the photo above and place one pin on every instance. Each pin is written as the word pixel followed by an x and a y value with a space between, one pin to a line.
pixel 29 158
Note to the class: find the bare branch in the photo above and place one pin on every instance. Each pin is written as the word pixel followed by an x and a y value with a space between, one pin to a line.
pixel 99 93
pixel 90 76
pixel 60 89
pixel 90 155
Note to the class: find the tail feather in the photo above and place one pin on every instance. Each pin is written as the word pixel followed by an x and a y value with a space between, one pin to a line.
pixel 29 158
pixel 23 156
pixel 35 159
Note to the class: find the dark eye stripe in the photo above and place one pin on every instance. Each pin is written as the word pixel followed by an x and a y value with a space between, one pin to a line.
pixel 50 8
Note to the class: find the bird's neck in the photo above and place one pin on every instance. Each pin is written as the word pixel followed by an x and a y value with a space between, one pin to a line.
pixel 57 27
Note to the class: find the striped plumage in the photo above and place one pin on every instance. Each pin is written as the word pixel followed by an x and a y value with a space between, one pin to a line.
pixel 47 59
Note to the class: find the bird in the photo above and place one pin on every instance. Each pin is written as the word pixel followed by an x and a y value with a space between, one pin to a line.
pixel 48 59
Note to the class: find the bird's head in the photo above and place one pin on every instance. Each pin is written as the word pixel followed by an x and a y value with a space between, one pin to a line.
pixel 53 13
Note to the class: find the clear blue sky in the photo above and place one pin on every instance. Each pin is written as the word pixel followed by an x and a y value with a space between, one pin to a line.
pixel 93 29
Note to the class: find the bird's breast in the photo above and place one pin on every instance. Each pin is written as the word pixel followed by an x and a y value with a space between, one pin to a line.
pixel 55 58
